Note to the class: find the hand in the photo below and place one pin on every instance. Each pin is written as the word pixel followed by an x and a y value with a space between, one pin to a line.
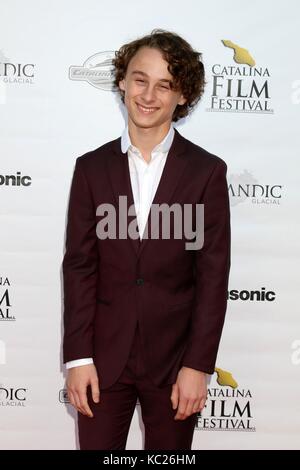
pixel 189 393
pixel 77 382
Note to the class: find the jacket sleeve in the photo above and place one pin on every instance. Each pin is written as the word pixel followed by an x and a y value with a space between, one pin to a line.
pixel 80 267
pixel 212 265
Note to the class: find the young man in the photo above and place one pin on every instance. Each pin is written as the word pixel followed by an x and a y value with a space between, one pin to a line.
pixel 144 314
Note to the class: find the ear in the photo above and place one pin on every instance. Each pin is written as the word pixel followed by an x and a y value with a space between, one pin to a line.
pixel 182 100
pixel 122 85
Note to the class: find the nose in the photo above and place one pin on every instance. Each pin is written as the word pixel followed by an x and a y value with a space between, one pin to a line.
pixel 148 94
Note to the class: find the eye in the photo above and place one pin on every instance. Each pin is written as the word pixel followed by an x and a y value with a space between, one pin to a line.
pixel 164 87
pixel 139 80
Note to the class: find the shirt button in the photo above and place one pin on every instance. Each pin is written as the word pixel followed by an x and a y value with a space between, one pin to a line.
pixel 139 282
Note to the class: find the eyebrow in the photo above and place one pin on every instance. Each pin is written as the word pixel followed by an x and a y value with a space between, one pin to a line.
pixel 145 75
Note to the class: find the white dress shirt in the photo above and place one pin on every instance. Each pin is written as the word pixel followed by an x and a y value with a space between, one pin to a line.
pixel 144 178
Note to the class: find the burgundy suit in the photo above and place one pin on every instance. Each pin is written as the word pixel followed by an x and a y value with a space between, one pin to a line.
pixel 177 297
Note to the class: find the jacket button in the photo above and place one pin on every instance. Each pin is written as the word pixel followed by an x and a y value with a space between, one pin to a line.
pixel 139 281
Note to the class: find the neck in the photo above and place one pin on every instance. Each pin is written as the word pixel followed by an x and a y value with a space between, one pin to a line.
pixel 145 139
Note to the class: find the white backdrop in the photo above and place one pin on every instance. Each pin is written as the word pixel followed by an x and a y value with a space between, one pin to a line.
pixel 48 119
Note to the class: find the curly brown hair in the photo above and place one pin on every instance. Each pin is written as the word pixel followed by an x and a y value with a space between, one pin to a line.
pixel 185 66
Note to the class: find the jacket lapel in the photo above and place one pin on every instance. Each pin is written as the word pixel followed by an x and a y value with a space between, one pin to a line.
pixel 118 169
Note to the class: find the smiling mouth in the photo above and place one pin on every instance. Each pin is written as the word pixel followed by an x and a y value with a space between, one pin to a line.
pixel 145 109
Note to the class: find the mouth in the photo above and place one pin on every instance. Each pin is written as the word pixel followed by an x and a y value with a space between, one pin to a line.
pixel 146 109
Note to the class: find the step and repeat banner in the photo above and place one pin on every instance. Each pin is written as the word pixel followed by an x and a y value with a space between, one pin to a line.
pixel 56 103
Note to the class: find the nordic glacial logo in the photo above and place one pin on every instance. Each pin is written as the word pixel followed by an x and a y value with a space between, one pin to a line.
pixel 97 70
pixel 240 86
pixel 244 186
pixel 228 407
pixel 12 396
pixel 13 72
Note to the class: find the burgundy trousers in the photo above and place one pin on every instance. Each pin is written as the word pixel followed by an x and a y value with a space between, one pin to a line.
pixel 108 429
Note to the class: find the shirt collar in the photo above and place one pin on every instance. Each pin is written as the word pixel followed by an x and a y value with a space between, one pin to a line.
pixel 163 146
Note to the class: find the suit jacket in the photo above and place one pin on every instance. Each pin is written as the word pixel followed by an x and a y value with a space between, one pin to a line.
pixel 177 296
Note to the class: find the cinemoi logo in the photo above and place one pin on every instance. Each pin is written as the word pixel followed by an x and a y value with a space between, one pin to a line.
pixel 239 85
pixel 12 396
pixel 261 295
pixel 15 180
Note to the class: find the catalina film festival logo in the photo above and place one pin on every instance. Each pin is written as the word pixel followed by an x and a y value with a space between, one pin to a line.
pixel 97 70
pixel 228 407
pixel 5 300
pixel 240 85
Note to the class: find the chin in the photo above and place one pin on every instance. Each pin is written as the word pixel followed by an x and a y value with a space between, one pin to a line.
pixel 145 123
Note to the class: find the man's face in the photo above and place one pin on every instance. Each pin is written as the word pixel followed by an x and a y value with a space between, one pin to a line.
pixel 149 100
